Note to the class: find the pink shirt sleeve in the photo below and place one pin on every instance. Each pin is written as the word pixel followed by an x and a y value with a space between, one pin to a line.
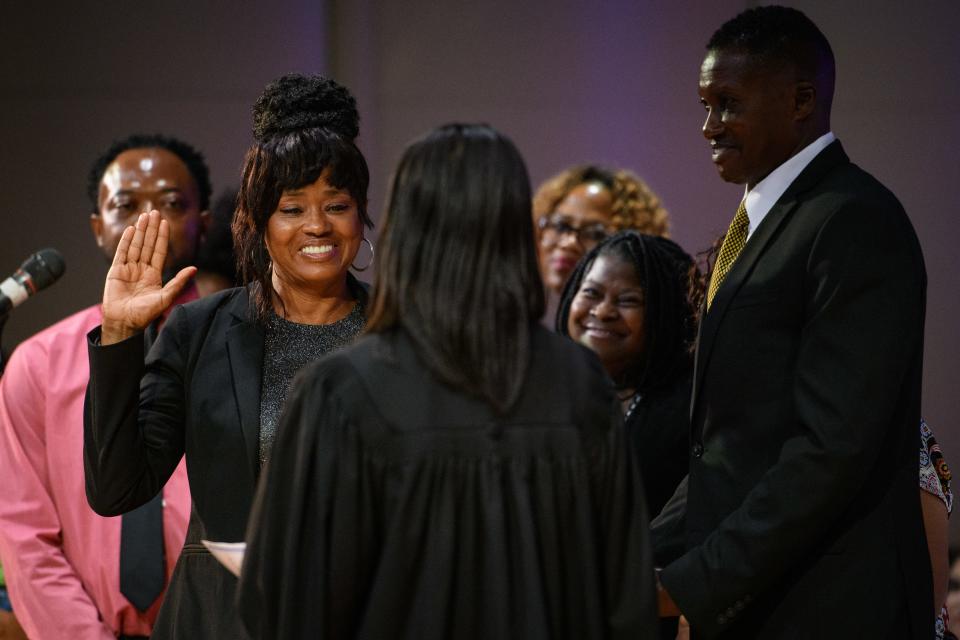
pixel 47 595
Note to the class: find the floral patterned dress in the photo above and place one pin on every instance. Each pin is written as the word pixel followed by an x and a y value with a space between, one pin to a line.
pixel 935 479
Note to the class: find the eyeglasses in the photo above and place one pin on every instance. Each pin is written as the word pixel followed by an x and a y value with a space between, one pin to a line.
pixel 554 227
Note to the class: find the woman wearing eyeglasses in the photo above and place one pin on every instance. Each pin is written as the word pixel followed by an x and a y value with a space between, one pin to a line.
pixel 580 207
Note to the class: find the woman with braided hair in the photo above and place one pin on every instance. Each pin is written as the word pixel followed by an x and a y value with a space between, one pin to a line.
pixel 628 300
pixel 214 382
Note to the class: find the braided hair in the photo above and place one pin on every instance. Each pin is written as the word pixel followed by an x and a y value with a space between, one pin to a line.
pixel 664 272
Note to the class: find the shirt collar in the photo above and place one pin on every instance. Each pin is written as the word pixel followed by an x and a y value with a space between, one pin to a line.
pixel 765 193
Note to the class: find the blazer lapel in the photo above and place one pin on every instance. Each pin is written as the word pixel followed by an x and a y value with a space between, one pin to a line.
pixel 245 352
pixel 824 162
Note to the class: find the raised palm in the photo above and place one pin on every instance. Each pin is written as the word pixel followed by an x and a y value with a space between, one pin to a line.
pixel 134 294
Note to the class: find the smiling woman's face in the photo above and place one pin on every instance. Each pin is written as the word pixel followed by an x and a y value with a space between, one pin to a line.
pixel 607 313
pixel 586 210
pixel 312 238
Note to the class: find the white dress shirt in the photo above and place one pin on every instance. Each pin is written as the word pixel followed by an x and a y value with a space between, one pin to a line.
pixel 765 193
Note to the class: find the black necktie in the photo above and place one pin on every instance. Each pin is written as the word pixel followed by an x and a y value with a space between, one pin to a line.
pixel 141 553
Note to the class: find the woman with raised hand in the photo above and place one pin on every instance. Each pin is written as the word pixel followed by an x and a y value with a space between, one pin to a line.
pixel 460 471
pixel 213 384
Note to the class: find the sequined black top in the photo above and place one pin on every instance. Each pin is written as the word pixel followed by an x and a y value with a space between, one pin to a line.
pixel 287 346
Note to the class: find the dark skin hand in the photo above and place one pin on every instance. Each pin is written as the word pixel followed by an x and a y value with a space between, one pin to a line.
pixel 666 607
pixel 134 294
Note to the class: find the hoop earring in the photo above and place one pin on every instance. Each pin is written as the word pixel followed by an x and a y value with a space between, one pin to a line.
pixel 366 266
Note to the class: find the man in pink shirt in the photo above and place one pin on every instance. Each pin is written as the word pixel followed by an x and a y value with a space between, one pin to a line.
pixel 61 560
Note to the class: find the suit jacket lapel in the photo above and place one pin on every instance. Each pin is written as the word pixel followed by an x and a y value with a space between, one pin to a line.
pixel 245 352
pixel 814 172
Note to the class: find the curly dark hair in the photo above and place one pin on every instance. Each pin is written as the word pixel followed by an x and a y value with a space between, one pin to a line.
pixel 705 261
pixel 302 126
pixel 635 205
pixel 779 36
pixel 294 102
pixel 664 271
pixel 196 165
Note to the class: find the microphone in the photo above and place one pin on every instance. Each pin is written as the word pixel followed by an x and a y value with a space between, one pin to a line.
pixel 38 272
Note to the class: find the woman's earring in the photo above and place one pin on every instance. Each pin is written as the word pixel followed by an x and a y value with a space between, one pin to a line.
pixel 370 262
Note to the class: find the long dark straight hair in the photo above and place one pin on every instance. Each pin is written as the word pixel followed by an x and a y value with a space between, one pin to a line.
pixel 456 264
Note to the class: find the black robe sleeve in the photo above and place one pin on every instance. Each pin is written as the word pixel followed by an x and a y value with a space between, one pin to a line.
pixel 285 588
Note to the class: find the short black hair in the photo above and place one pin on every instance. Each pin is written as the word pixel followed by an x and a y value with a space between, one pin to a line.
pixel 216 252
pixel 664 271
pixel 456 265
pixel 778 35
pixel 196 165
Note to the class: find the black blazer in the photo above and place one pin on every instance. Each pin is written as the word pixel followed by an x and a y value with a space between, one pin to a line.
pixel 802 514
pixel 199 395
pixel 658 431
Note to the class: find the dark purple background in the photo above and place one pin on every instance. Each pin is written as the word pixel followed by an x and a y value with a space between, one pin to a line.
pixel 613 82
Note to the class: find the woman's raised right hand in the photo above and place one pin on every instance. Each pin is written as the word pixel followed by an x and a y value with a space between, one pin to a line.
pixel 134 294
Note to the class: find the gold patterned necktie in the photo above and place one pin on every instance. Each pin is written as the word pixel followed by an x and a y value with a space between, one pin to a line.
pixel 732 245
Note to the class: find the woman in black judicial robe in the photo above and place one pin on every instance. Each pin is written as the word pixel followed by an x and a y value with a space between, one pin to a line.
pixel 460 472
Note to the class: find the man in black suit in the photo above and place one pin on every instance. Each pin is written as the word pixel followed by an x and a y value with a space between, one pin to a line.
pixel 801 516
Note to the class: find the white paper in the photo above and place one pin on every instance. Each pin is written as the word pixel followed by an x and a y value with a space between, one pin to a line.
pixel 230 554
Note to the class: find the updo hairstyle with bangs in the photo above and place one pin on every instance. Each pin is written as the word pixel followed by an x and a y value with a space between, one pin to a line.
pixel 302 126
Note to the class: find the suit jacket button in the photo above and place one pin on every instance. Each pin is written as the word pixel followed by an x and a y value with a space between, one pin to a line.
pixel 696 450
pixel 721 619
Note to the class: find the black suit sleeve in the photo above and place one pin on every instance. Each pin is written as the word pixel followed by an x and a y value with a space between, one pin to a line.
pixel 668 528
pixel 133 423
pixel 864 293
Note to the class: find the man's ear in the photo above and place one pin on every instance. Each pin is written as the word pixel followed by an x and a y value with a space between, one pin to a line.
pixel 96 226
pixel 805 100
